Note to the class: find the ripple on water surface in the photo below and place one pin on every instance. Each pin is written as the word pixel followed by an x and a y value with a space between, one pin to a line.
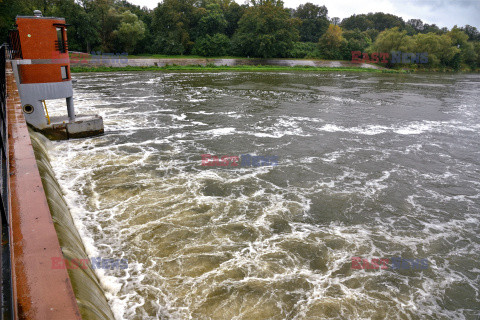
pixel 372 166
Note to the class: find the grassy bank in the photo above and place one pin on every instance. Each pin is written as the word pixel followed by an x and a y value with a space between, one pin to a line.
pixel 225 68
pixel 192 56
pixel 88 57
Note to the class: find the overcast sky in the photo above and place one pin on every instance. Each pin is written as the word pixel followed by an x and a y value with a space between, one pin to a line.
pixel 444 13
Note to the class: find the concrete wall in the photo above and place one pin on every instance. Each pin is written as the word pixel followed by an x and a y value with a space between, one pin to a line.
pixel 122 62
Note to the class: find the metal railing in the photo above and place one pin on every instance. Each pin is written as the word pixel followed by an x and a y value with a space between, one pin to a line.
pixel 14 50
pixel 6 274
pixel 61 46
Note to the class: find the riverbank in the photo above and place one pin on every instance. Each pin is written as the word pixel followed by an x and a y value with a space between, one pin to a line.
pixel 80 60
pixel 83 62
pixel 225 68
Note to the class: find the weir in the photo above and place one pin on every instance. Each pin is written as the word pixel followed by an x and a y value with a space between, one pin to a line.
pixel 40 228
pixel 90 297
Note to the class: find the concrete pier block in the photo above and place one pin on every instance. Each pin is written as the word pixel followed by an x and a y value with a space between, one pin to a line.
pixel 61 128
pixel 85 127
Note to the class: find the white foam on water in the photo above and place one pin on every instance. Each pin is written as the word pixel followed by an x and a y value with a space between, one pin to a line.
pixel 221 131
pixel 232 243
pixel 333 156
pixel 412 128
pixel 415 128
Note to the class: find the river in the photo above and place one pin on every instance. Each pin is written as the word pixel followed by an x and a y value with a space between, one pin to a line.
pixel 370 165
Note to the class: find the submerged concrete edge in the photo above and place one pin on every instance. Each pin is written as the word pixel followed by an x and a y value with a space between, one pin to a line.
pixel 39 291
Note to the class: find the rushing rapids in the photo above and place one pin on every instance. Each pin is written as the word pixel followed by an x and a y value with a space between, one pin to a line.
pixel 90 296
pixel 369 166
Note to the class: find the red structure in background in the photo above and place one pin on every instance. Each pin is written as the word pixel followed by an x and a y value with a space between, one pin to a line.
pixel 41 64
pixel 44 39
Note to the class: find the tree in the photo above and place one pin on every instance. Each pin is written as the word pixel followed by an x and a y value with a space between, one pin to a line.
pixel 233 13
pixel 304 50
pixel 471 32
pixel 330 44
pixel 335 21
pixel 107 18
pixel 392 40
pixel 467 49
pixel 265 30
pixel 360 22
pixel 45 6
pixel 212 20
pixel 372 34
pixel 440 49
pixel 379 21
pixel 382 21
pixel 82 32
pixel 311 11
pixel 356 41
pixel 431 28
pixel 476 46
pixel 173 24
pixel 130 31
pixel 146 44
pixel 211 46
pixel 9 9
pixel 314 21
pixel 416 24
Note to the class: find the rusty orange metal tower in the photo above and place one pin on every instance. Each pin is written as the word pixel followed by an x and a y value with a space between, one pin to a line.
pixel 41 65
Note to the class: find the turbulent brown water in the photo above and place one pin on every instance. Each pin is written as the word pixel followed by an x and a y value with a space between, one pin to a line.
pixel 370 166
pixel 89 293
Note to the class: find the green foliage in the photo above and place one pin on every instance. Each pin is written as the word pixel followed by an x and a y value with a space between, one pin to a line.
pixel 459 38
pixel 468 55
pixel 379 21
pixel 372 34
pixel 265 30
pixel 260 28
pixel 427 28
pixel 444 50
pixel 439 48
pixel 212 21
pixel 331 45
pixel 302 50
pixel 130 31
pixel 476 46
pixel 356 41
pixel 472 33
pixel 360 22
pixel 392 40
pixel 416 25
pixel 314 21
pixel 8 10
pixel 173 22
pixel 107 18
pixel 382 21
pixel 233 12
pixel 212 46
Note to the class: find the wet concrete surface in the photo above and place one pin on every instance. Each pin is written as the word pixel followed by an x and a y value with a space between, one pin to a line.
pixel 220 62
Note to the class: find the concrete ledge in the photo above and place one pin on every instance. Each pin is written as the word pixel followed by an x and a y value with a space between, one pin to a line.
pixel 151 62
pixel 85 126
pixel 40 292
pixel 62 129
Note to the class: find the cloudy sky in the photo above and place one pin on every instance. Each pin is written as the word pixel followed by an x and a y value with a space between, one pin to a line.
pixel 444 13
